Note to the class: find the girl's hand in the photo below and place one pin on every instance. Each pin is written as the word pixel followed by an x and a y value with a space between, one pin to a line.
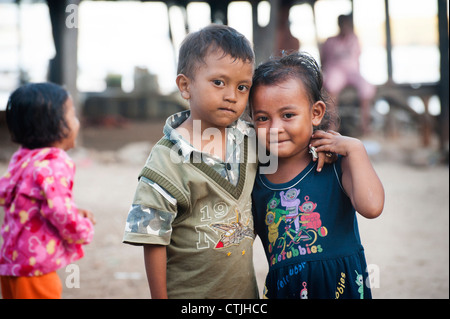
pixel 323 157
pixel 87 214
pixel 333 142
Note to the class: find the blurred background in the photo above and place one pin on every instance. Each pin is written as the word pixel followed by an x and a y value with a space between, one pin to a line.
pixel 118 60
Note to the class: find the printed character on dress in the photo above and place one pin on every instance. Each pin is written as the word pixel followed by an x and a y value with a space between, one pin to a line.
pixel 273 219
pixel 291 202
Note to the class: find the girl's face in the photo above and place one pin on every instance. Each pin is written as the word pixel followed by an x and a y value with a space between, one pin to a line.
pixel 285 112
pixel 73 126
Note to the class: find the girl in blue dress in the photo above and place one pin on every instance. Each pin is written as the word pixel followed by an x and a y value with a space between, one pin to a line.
pixel 305 214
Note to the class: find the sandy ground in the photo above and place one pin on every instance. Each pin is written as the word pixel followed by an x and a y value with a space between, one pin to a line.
pixel 407 247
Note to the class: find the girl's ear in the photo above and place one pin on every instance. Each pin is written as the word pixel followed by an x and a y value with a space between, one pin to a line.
pixel 183 86
pixel 318 112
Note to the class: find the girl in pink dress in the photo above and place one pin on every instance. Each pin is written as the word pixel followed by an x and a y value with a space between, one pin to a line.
pixel 43 230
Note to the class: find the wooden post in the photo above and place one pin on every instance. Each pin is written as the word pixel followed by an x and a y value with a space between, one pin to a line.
pixel 264 37
pixel 64 66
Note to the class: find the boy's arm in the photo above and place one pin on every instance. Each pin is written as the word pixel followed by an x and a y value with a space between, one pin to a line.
pixel 359 179
pixel 155 267
pixel 149 223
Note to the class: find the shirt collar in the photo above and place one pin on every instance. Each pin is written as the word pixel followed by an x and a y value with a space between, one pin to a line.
pixel 236 133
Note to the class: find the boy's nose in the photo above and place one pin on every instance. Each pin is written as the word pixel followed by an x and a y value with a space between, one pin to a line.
pixel 230 96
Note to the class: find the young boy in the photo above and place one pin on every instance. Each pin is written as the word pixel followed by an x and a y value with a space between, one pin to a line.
pixel 192 206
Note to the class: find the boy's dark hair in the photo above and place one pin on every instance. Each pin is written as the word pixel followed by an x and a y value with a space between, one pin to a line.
pixel 35 115
pixel 297 65
pixel 213 38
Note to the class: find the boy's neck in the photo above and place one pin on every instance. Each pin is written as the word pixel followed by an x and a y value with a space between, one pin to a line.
pixel 207 139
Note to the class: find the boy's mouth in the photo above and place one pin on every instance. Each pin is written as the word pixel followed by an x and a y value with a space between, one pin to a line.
pixel 227 109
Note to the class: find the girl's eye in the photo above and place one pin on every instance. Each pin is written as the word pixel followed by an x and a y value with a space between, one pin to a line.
pixel 288 115
pixel 261 118
pixel 243 88
pixel 218 82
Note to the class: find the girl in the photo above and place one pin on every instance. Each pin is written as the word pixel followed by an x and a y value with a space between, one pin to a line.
pixel 43 230
pixel 306 219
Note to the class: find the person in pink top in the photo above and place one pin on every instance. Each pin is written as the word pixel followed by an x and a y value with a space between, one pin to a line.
pixel 43 230
pixel 340 65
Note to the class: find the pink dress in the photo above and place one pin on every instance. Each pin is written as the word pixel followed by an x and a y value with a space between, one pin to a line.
pixel 42 230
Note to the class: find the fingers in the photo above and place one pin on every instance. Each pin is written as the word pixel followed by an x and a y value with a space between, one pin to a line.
pixel 330 157
pixel 333 132
pixel 323 134
pixel 87 214
pixel 320 161
pixel 323 144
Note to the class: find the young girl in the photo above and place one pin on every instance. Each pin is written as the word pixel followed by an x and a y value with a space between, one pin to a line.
pixel 43 230
pixel 305 218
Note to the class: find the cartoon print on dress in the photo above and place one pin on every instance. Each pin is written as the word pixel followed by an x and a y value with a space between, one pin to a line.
pixel 273 219
pixel 304 291
pixel 291 202
pixel 359 282
pixel 294 231
pixel 233 233
pixel 309 218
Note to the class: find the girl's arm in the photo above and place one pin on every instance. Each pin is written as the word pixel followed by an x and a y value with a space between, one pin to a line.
pixel 55 180
pixel 359 179
pixel 155 258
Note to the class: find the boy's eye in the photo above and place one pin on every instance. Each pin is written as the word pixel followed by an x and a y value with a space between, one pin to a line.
pixel 288 115
pixel 243 88
pixel 218 82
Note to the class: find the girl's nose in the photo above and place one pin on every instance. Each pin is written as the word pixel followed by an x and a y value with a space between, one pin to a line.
pixel 276 126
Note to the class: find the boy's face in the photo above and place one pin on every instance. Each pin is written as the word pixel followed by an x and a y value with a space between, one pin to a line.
pixel 219 92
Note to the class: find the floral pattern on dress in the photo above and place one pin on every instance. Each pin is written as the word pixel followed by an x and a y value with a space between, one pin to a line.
pixel 42 229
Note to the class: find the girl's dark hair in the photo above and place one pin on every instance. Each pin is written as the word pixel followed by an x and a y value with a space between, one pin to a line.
pixel 297 65
pixel 35 115
pixel 212 38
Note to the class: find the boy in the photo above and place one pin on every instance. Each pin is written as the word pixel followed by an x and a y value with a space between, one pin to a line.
pixel 192 206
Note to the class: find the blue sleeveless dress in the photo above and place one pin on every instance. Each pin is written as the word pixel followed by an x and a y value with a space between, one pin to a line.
pixel 310 235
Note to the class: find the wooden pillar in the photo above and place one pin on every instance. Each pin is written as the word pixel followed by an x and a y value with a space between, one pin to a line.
pixel 264 37
pixel 444 83
pixel 388 41
pixel 63 67
pixel 219 12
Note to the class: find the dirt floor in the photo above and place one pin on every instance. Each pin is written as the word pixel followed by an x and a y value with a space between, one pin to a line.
pixel 407 247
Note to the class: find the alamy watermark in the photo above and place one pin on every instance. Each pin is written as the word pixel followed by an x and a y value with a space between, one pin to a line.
pixel 210 142
pixel 73 277
pixel 374 275
pixel 72 16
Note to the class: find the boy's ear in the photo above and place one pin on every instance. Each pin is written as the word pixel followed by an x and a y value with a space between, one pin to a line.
pixel 183 86
pixel 318 112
